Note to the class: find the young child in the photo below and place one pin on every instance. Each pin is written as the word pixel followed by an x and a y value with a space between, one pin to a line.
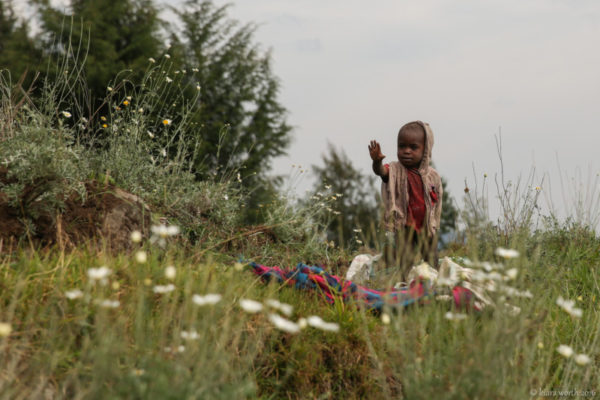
pixel 412 197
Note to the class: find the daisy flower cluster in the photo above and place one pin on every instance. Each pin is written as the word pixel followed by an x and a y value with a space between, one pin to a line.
pixel 495 278
pixel 490 282
pixel 273 307
pixel 96 277
pixel 564 350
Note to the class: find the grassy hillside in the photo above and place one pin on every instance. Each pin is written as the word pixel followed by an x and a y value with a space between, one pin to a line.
pixel 139 333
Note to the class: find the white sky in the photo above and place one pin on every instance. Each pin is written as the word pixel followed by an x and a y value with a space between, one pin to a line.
pixel 355 70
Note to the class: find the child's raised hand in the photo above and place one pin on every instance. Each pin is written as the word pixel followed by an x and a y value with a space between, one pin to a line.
pixel 375 151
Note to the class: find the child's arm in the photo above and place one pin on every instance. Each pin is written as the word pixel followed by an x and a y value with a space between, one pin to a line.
pixel 377 157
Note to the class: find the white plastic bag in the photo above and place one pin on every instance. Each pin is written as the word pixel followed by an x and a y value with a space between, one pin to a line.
pixel 361 268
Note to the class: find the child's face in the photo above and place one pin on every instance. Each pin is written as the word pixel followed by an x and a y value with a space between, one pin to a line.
pixel 411 145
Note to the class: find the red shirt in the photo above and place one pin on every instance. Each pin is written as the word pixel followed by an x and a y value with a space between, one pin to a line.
pixel 416 200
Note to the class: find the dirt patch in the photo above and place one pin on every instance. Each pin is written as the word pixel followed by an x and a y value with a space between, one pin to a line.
pixel 106 215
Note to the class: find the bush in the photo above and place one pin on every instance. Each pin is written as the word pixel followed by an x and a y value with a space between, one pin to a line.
pixel 41 165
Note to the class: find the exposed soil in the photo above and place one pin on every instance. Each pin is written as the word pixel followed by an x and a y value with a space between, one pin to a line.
pixel 106 216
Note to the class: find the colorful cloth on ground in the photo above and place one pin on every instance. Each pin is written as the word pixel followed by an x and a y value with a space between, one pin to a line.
pixel 332 287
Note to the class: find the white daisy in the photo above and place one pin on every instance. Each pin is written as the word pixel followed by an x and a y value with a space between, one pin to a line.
pixel 191 335
pixel 569 307
pixel 564 350
pixel 208 299
pixel 316 322
pixel 284 324
pixel 164 230
pixel 161 289
pixel 141 257
pixel 507 253
pixel 74 294
pixel 512 292
pixel 161 232
pixel 582 359
pixel 385 319
pixel 99 274
pixel 512 273
pixel 136 236
pixel 170 272
pixel 5 329
pixel 106 303
pixel 250 306
pixel 283 307
pixel 455 316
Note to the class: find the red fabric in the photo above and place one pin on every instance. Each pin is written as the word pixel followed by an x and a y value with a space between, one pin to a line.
pixel 464 298
pixel 416 200
pixel 434 196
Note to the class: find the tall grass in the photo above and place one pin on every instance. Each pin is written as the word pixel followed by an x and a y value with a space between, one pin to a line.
pixel 77 348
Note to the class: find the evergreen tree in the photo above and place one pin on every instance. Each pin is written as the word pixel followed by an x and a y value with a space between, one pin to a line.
pixel 242 124
pixel 354 212
pixel 18 53
pixel 114 35
pixel 449 214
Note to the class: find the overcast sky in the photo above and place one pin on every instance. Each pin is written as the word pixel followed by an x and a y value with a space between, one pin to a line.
pixel 355 70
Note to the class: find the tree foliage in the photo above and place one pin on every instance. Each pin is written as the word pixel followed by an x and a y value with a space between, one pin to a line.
pixel 114 36
pixel 449 214
pixel 354 213
pixel 17 50
pixel 243 126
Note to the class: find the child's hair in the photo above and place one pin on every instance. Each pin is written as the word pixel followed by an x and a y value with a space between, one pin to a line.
pixel 411 127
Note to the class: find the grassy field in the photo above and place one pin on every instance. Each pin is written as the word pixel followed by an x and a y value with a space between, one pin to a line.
pixel 139 331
